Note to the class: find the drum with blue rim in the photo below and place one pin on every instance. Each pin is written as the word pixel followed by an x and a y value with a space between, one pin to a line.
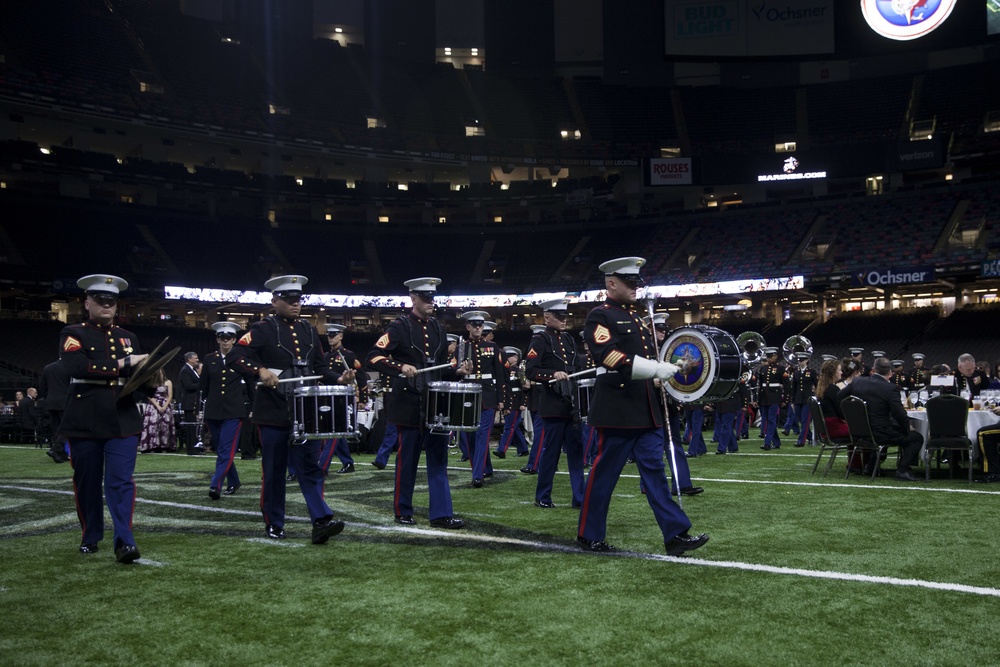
pixel 710 360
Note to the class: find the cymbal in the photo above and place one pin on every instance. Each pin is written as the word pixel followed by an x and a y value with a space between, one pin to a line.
pixel 147 369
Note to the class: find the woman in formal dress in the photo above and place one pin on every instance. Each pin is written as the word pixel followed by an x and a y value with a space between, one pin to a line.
pixel 158 420
pixel 829 384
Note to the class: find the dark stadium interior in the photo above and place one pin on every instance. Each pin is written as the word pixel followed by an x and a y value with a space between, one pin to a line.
pixel 177 150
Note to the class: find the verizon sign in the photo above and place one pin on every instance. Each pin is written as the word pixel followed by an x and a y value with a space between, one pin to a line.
pixel 668 171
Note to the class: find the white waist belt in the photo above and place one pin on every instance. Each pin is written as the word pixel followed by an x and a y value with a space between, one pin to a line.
pixel 104 383
pixel 516 389
pixel 485 376
pixel 775 384
pixel 601 370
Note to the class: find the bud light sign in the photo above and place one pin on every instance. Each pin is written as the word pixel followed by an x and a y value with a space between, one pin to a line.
pixel 669 171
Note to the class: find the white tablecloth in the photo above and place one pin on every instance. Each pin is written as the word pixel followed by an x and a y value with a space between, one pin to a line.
pixel 977 420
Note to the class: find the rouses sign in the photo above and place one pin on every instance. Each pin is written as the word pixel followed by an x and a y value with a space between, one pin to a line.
pixel 890 277
pixel 669 171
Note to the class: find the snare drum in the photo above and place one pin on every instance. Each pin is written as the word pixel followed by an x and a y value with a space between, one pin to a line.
pixel 714 364
pixel 324 412
pixel 454 406
pixel 584 394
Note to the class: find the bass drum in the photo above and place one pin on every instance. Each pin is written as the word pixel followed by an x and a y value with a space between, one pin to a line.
pixel 713 359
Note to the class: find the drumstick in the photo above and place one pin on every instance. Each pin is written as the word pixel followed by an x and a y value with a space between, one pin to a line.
pixel 429 368
pixel 577 374
pixel 302 379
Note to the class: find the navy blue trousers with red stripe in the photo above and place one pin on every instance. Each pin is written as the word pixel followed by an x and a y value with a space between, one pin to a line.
pixel 615 446
pixel 277 456
pixel 412 441
pixel 560 434
pixel 537 442
pixel 512 433
pixel 111 462
pixel 226 440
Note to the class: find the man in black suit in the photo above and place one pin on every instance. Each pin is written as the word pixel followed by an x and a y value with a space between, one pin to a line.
pixel 190 381
pixel 886 414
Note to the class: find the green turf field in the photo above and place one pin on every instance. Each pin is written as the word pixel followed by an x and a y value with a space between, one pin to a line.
pixel 800 570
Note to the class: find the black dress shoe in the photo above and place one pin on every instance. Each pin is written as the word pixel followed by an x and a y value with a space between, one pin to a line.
pixel 274 532
pixel 380 466
pixel 213 493
pixel 594 545
pixel 718 452
pixel 691 490
pixel 544 504
pixel 684 542
pixel 126 553
pixel 348 468
pixel 463 459
pixel 529 471
pixel 448 522
pixel 799 444
pixel 87 548
pixel 230 490
pixel 248 457
pixel 522 453
pixel 324 529
pixel 56 455
pixel 290 478
pixel 477 483
pixel 500 455
pixel 907 476
pixel 991 478
pixel 784 432
pixel 406 520
pixel 488 474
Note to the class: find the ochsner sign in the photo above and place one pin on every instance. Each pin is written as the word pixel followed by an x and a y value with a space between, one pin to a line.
pixel 669 171
pixel 889 277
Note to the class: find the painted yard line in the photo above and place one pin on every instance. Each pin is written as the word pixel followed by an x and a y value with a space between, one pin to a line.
pixel 548 546
pixel 911 486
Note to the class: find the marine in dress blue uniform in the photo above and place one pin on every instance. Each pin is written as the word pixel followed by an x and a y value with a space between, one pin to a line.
pixel 227 388
pixel 485 367
pixel 284 345
pixel 513 432
pixel 531 399
pixel 771 384
pixel 102 426
pixel 553 356
pixel 413 342
pixel 627 412
pixel 340 360
pixel 804 381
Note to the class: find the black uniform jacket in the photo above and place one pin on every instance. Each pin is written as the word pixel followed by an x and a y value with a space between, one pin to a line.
pixel 516 393
pixel 803 385
pixel 488 370
pixel 771 383
pixel 552 351
pixel 93 409
pixel 975 383
pixel 885 409
pixel 342 360
pixel 419 343
pixel 226 385
pixel 291 348
pixel 615 336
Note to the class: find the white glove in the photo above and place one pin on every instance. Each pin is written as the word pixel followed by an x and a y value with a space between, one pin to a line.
pixel 644 369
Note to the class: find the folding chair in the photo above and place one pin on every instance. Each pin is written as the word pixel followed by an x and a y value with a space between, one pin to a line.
pixel 823 436
pixel 947 418
pixel 856 414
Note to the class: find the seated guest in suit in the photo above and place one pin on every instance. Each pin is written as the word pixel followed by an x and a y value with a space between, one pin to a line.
pixel 830 374
pixel 886 414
